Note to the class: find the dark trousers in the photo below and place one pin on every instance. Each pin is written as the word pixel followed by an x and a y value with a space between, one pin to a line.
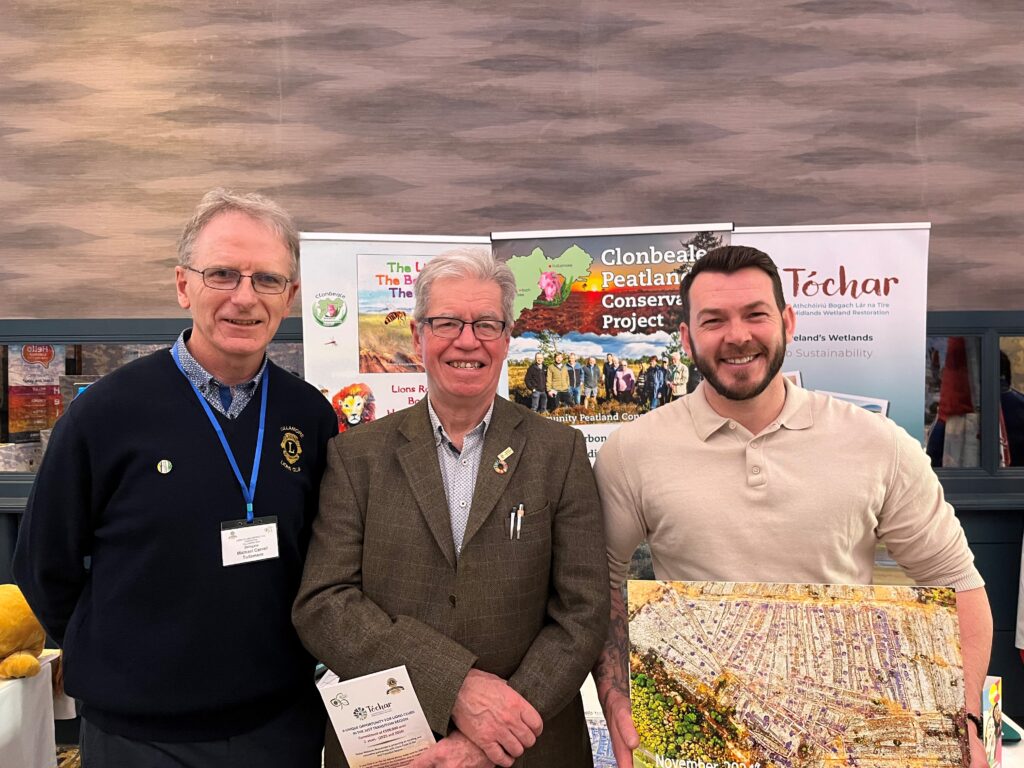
pixel 293 739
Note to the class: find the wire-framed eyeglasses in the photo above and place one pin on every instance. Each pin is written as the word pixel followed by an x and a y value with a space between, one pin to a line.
pixel 224 279
pixel 451 327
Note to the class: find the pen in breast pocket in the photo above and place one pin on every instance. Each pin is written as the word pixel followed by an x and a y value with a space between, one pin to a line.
pixel 519 520
pixel 511 523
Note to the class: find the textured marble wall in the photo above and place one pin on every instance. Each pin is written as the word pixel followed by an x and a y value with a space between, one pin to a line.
pixel 468 117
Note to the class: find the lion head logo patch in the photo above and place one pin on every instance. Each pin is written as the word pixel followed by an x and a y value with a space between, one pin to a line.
pixel 291 448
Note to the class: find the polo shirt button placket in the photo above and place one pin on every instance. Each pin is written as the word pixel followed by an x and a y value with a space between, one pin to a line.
pixel 755 462
pixel 755 477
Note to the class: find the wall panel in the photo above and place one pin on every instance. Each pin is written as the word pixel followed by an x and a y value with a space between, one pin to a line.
pixel 468 117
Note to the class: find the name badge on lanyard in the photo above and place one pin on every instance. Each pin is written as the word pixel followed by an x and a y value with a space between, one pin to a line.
pixel 255 538
pixel 245 542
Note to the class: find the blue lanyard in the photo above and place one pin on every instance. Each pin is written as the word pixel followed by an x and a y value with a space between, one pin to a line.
pixel 248 491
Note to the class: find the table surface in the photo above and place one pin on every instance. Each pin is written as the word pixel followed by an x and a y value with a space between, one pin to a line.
pixel 26 719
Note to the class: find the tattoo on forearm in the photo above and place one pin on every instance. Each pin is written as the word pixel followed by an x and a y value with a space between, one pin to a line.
pixel 611 673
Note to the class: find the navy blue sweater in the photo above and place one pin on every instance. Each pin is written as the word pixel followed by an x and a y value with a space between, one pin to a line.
pixel 161 641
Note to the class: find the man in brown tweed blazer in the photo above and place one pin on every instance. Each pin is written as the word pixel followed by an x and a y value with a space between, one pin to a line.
pixel 420 557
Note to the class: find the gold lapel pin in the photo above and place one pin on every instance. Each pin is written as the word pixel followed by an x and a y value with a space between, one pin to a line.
pixel 500 466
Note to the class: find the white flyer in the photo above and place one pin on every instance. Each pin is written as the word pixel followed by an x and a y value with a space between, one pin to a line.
pixel 378 719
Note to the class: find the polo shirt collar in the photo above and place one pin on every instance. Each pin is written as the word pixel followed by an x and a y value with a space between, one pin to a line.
pixel 796 411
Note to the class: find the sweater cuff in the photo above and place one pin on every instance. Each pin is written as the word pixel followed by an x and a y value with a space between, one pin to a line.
pixel 970 580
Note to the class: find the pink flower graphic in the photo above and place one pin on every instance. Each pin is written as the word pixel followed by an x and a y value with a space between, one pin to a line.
pixel 550 284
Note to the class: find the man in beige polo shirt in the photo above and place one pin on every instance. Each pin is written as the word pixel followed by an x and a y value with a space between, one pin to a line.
pixel 787 485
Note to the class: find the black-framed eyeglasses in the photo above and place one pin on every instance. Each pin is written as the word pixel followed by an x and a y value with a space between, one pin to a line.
pixel 451 327
pixel 223 279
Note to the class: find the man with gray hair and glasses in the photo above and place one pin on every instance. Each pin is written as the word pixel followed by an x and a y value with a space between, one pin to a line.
pixel 462 538
pixel 164 538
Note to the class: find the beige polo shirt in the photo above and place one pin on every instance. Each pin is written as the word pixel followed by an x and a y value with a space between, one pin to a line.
pixel 803 501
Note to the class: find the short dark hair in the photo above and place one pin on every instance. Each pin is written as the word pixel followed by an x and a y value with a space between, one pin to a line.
pixel 726 260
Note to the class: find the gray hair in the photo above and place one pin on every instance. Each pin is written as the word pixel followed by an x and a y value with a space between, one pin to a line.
pixel 255 206
pixel 474 262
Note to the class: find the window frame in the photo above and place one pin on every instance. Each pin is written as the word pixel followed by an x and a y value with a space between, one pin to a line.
pixel 987 486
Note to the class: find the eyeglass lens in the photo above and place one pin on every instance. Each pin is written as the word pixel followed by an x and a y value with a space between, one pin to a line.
pixel 228 279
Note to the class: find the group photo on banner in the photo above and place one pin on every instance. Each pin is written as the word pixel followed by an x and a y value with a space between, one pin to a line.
pixel 596 335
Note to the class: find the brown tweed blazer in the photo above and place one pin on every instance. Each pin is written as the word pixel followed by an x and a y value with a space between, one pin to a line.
pixel 382 586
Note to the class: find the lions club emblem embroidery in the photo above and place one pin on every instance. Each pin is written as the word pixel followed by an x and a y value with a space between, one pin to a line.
pixel 291 448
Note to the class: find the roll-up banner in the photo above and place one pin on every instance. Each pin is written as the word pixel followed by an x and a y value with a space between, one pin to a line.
pixel 358 292
pixel 861 299
pixel 607 295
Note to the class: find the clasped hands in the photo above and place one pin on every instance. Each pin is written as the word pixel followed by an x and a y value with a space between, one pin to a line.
pixel 494 726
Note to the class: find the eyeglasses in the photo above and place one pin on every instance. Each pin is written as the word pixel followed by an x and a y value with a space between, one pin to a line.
pixel 451 327
pixel 222 279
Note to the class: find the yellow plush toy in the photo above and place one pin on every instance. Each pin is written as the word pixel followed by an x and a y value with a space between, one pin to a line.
pixel 21 635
